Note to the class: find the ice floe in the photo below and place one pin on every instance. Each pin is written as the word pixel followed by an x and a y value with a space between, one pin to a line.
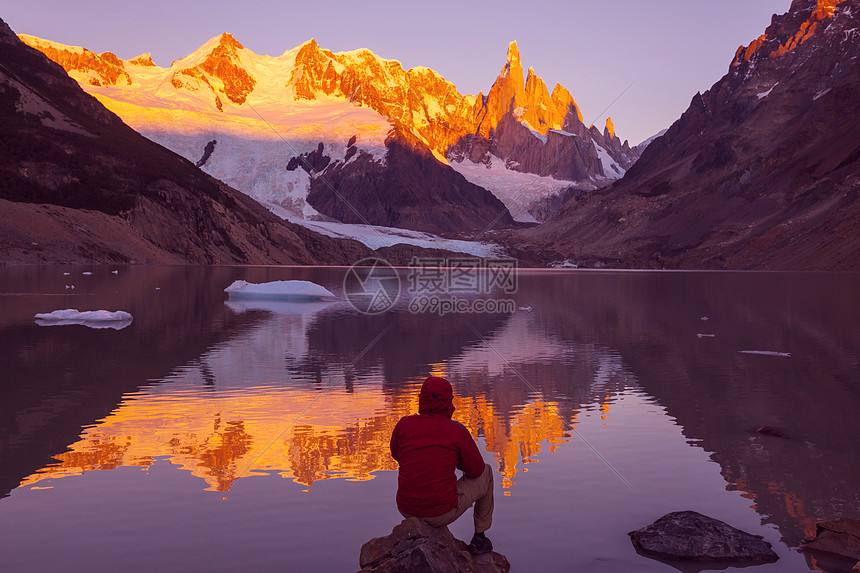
pixel 766 353
pixel 117 320
pixel 284 290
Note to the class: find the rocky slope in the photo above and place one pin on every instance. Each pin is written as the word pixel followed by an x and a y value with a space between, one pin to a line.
pixel 77 184
pixel 762 171
pixel 409 191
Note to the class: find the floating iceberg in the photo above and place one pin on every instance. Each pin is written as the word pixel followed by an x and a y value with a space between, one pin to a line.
pixel 281 290
pixel 92 318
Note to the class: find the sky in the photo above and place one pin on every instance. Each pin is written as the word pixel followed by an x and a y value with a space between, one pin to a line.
pixel 660 51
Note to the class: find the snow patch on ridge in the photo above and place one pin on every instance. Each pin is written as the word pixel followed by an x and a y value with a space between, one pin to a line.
pixel 821 94
pixel 518 191
pixel 611 168
pixel 763 95
pixel 648 141
pixel 375 237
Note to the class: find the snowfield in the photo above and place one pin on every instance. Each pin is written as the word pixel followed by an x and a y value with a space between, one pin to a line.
pixel 518 191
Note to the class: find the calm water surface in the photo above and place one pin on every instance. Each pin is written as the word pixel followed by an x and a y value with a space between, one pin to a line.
pixel 223 436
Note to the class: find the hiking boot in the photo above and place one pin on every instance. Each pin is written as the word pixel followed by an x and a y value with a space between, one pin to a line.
pixel 480 544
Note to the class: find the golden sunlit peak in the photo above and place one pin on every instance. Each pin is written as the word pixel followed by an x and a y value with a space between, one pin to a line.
pixel 513 52
pixel 610 128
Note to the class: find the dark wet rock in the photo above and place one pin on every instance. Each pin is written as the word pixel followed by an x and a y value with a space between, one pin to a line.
pixel 312 162
pixel 207 152
pixel 415 546
pixel 856 568
pixel 840 538
pixel 771 431
pixel 691 536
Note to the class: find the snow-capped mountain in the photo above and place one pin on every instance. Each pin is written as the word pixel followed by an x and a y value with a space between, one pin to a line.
pixel 243 117
pixel 520 126
pixel 78 185
pixel 761 171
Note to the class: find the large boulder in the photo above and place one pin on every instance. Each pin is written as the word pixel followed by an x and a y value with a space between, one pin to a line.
pixel 840 538
pixel 691 536
pixel 416 546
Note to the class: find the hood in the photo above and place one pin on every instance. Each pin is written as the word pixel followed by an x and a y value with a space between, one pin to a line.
pixel 436 397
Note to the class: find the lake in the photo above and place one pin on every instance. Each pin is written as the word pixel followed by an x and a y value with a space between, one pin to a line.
pixel 223 435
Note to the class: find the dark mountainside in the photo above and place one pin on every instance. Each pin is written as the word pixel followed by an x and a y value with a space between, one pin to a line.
pixel 78 185
pixel 761 172
pixel 410 190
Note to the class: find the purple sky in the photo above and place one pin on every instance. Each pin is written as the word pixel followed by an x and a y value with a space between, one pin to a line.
pixel 670 48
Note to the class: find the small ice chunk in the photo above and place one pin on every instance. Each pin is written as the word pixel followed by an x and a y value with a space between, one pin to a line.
pixel 88 315
pixel 528 308
pixel 704 318
pixel 706 335
pixel 86 273
pixel 292 290
pixel 115 272
pixel 66 274
pixel 766 353
pixel 117 320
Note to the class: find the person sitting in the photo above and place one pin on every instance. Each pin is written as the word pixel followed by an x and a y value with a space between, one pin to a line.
pixel 428 447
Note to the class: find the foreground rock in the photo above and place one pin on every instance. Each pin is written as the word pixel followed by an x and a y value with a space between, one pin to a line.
pixel 415 546
pixel 840 538
pixel 688 535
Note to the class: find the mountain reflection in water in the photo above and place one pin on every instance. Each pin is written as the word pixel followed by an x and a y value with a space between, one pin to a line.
pixel 244 408
pixel 629 400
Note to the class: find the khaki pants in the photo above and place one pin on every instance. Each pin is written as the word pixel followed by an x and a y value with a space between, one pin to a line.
pixel 478 491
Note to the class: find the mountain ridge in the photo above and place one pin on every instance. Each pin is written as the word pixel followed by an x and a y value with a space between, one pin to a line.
pixel 278 92
pixel 762 170
pixel 78 185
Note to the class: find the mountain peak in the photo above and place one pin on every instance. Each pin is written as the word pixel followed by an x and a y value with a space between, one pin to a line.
pixel 144 59
pixel 822 8
pixel 217 58
pixel 513 52
pixel 787 32
pixel 227 40
pixel 610 128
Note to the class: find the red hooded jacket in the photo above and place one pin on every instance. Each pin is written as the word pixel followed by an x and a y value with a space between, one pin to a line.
pixel 428 447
